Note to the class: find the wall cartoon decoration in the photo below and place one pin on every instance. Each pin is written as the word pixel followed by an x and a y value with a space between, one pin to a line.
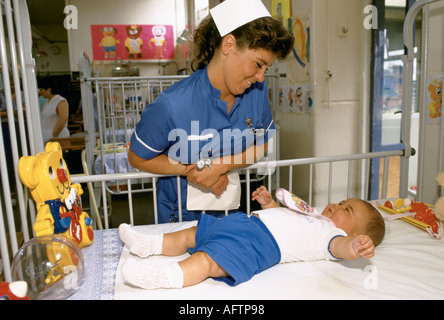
pixel 57 201
pixel 435 94
pixel 296 16
pixel 133 42
pixel 158 40
pixel 299 98
pixel 300 48
pixel 108 42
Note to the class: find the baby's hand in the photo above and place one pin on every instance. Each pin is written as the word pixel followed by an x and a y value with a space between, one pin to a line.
pixel 262 196
pixel 363 246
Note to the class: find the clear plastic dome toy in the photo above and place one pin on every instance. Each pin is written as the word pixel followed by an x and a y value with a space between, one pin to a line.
pixel 52 266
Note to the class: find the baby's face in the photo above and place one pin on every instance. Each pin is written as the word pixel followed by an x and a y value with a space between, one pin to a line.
pixel 349 215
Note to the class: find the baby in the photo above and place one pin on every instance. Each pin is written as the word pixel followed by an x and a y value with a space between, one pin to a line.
pixel 235 248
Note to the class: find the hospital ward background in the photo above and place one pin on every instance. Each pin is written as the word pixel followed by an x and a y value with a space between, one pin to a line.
pixel 357 108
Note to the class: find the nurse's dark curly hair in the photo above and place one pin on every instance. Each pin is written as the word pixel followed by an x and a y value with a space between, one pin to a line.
pixel 263 33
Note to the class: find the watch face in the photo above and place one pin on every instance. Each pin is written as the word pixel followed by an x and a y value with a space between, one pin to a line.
pixel 200 164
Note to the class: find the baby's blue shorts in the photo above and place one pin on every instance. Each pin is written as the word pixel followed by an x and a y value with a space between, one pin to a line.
pixel 243 246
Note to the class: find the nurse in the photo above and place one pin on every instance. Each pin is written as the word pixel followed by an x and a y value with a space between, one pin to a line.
pixel 216 120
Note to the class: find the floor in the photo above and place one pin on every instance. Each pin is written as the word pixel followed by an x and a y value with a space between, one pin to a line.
pixel 393 177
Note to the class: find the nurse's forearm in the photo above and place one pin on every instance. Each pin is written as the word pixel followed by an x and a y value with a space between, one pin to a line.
pixel 159 165
pixel 248 157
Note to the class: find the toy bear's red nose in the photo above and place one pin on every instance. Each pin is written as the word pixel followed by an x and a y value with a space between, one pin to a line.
pixel 61 174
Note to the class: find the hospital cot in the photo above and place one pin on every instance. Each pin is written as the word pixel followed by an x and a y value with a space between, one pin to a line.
pixel 408 263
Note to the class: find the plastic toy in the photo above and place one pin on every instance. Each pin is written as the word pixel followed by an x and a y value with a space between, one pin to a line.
pixel 16 290
pixel 399 205
pixel 439 205
pixel 57 201
pixel 416 213
pixel 52 265
pixel 295 203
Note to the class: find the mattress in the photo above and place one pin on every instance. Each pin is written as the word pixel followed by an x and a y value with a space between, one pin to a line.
pixel 407 265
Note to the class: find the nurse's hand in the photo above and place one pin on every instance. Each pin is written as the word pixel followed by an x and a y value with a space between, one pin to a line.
pixel 213 178
pixel 220 186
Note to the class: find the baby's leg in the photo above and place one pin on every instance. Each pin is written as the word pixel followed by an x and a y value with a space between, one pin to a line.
pixel 198 267
pixel 188 272
pixel 170 244
pixel 177 243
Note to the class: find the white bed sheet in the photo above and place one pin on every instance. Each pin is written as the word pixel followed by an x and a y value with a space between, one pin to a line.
pixel 408 264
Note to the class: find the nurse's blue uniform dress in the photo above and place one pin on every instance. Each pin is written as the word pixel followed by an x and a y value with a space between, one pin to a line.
pixel 189 121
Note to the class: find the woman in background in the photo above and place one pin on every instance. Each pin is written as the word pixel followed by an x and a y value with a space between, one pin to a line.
pixel 55 112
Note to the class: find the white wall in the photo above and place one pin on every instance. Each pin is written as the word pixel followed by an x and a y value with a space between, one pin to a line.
pixel 48 59
pixel 335 126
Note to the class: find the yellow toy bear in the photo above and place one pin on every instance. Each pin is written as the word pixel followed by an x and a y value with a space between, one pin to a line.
pixel 57 200
pixel 439 205
pixel 435 89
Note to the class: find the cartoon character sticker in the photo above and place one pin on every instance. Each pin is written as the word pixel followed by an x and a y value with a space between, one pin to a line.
pixel 108 42
pixel 158 40
pixel 434 107
pixel 297 98
pixel 133 42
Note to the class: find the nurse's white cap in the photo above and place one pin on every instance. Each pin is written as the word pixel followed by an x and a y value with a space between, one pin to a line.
pixel 231 14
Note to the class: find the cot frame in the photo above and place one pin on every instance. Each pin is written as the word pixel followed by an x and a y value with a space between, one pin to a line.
pixel 268 166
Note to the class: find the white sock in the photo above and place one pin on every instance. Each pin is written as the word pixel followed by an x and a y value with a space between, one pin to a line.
pixel 141 275
pixel 142 245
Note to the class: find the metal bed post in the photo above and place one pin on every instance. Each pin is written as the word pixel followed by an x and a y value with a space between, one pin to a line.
pixel 105 205
pixel 310 185
pixel 156 216
pixel 290 178
pixel 4 247
pixel 441 135
pixel 130 202
pixel 385 176
pixel 30 89
pixel 407 59
pixel 3 165
pixel 179 198
pixel 248 190
pixel 423 98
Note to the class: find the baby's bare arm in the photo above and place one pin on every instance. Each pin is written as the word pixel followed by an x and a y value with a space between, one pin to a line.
pixel 350 248
pixel 264 198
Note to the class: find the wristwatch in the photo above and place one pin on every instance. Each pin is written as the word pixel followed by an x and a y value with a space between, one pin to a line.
pixel 202 163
